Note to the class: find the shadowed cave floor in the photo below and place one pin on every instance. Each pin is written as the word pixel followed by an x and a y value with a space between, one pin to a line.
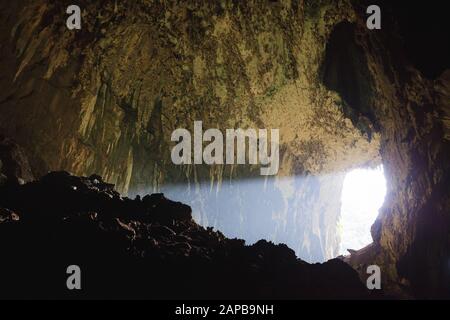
pixel 142 248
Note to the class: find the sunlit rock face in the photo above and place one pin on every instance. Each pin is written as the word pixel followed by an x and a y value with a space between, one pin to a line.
pixel 106 99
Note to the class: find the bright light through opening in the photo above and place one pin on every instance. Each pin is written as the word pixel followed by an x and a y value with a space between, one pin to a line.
pixel 362 197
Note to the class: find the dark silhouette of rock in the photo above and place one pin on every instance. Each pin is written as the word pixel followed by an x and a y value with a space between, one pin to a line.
pixel 14 166
pixel 149 248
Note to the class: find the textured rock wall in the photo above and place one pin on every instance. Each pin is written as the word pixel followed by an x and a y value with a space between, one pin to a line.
pixel 106 99
pixel 411 233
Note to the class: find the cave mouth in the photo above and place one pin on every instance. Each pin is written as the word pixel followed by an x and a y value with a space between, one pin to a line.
pixel 363 195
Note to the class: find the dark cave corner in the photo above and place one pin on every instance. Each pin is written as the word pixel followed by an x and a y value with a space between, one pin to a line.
pixel 345 71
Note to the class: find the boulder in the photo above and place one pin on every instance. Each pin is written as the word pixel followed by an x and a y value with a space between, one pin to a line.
pixel 14 166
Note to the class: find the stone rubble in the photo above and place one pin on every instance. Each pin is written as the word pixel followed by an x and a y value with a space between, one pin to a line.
pixel 142 248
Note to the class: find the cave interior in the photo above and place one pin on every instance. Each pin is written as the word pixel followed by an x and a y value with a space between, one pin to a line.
pixel 85 140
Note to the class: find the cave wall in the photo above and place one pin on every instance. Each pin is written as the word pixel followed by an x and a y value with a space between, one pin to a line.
pixel 105 100
pixel 411 108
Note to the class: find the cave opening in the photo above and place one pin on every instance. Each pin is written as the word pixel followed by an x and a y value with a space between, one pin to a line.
pixel 363 195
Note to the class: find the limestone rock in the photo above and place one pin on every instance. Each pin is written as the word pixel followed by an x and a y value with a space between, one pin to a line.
pixel 14 166
pixel 105 100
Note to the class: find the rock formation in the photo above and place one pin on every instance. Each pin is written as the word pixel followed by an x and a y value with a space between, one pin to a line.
pixel 14 166
pixel 142 248
pixel 105 100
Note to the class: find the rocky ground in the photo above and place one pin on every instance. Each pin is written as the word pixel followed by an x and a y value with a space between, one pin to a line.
pixel 141 248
